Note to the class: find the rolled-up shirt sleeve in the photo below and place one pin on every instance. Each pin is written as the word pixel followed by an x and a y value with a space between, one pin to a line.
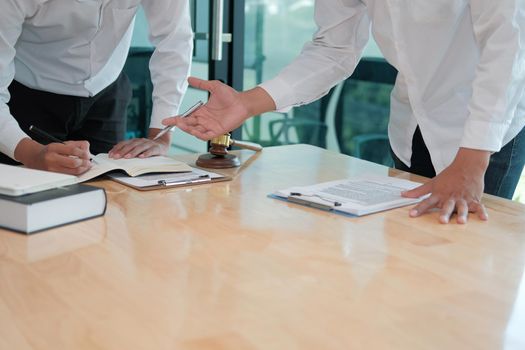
pixel 11 20
pixel 171 34
pixel 331 56
pixel 499 85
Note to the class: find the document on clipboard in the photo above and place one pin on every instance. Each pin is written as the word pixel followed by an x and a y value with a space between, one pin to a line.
pixel 357 196
pixel 166 180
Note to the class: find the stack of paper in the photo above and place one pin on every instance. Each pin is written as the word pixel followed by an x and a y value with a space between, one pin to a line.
pixel 356 196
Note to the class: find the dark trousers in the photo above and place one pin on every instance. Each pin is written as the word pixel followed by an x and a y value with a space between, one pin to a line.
pixel 503 172
pixel 100 119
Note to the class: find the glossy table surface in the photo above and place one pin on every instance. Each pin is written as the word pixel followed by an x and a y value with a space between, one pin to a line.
pixel 222 266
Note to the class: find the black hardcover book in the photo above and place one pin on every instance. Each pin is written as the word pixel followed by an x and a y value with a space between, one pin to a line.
pixel 51 208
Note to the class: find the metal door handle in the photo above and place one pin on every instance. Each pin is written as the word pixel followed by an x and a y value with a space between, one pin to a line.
pixel 226 37
pixel 217 36
pixel 217 23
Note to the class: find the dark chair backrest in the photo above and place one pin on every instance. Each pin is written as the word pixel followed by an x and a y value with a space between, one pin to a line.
pixel 139 110
pixel 363 109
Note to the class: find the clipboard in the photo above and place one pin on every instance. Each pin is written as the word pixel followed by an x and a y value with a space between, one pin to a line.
pixel 310 204
pixel 155 181
pixel 355 196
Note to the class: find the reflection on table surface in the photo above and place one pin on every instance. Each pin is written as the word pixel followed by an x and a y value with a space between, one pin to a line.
pixel 222 266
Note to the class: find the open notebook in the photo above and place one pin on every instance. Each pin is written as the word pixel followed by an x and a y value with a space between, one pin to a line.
pixel 133 167
pixel 16 180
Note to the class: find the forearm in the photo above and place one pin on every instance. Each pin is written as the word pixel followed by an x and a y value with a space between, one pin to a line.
pixel 171 34
pixel 332 55
pixel 12 18
pixel 499 83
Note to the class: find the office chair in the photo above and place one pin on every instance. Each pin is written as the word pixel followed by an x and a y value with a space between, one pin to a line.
pixel 362 111
pixel 307 125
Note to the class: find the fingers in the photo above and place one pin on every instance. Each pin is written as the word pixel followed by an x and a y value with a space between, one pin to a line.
pixel 150 153
pixel 84 145
pixel 65 158
pixel 462 208
pixel 449 207
pixel 124 148
pixel 78 149
pixel 424 206
pixel 201 84
pixel 72 171
pixel 200 133
pixel 446 211
pixel 116 151
pixel 170 121
pixel 80 153
pixel 137 148
pixel 183 124
pixel 418 191
pixel 480 209
pixel 462 211
pixel 61 156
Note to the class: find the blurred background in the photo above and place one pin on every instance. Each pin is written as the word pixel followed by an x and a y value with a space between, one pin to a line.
pixel 265 36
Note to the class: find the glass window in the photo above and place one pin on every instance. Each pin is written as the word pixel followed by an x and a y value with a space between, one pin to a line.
pixel 275 33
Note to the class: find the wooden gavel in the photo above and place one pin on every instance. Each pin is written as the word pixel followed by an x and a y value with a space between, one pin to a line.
pixel 219 156
pixel 219 145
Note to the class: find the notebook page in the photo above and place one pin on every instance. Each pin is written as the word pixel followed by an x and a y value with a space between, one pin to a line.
pixel 133 166
pixel 137 166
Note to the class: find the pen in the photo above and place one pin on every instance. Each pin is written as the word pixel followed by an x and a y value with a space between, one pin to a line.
pixel 44 134
pixel 296 200
pixel 294 195
pixel 185 114
pixel 50 138
pixel 192 180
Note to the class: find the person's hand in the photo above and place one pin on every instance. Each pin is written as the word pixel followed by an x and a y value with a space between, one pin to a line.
pixel 70 157
pixel 142 147
pixel 457 189
pixel 225 110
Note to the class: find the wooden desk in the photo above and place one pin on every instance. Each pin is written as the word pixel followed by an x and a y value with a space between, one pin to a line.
pixel 221 266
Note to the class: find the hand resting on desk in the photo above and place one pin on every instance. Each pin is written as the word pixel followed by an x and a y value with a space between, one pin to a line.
pixel 457 189
pixel 142 147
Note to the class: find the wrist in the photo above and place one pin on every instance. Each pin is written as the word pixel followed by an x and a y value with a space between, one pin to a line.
pixel 164 139
pixel 27 151
pixel 256 101
pixel 473 160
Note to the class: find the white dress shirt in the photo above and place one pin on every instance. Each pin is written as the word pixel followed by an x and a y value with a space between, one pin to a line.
pixel 461 68
pixel 79 47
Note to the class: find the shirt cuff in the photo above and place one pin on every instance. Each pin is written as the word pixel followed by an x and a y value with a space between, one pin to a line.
pixel 281 93
pixel 483 135
pixel 160 112
pixel 11 136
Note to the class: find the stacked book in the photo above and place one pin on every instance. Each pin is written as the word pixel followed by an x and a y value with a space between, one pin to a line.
pixel 34 200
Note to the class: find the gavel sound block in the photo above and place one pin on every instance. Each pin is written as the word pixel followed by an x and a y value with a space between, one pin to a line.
pixel 219 158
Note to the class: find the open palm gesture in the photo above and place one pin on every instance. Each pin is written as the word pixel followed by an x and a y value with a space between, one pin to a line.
pixel 224 111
